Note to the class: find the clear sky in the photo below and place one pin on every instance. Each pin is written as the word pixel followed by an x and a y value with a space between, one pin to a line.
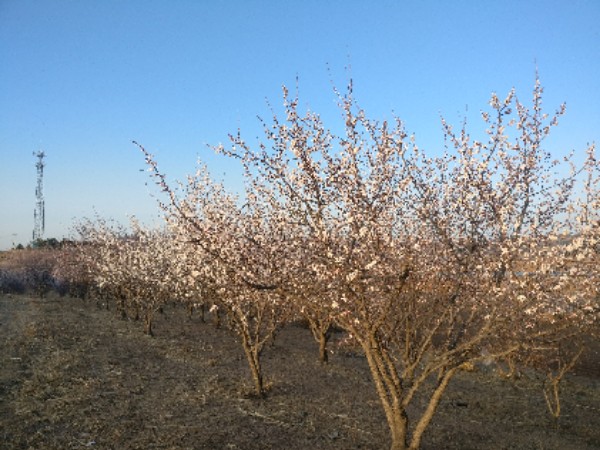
pixel 81 79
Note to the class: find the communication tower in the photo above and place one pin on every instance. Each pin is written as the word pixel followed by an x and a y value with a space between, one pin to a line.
pixel 39 219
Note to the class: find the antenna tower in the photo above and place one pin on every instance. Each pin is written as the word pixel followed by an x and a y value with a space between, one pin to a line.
pixel 39 214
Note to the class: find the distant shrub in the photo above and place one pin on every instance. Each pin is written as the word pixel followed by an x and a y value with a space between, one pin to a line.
pixel 28 270
pixel 12 282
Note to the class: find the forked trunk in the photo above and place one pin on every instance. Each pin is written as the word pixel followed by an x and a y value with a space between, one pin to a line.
pixel 398 423
pixel 253 358
pixel 389 388
pixel 323 355
pixel 321 331
pixel 390 393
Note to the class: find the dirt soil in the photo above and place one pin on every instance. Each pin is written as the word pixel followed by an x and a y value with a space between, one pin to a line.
pixel 73 376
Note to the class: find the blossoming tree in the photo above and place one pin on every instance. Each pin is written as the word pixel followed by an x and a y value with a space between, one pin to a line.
pixel 429 263
pixel 238 251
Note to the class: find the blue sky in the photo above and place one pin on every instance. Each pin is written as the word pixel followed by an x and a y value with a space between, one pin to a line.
pixel 81 79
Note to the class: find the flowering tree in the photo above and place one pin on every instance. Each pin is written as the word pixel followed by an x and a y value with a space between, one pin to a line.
pixel 237 250
pixel 135 267
pixel 72 271
pixel 429 263
pixel 509 216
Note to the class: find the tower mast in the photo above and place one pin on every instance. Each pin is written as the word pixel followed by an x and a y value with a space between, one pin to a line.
pixel 39 220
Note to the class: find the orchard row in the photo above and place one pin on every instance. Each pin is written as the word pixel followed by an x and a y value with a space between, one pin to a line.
pixel 489 249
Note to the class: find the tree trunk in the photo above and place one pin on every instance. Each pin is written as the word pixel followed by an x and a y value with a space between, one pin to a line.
pixel 323 355
pixel 253 358
pixel 398 427
pixel 148 324
pixel 434 402
pixel 390 394
pixel 122 308
pixel 321 331
pixel 216 319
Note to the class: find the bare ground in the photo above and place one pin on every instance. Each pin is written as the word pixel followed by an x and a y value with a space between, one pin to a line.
pixel 73 376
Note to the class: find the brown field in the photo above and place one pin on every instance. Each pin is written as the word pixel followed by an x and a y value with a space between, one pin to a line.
pixel 73 376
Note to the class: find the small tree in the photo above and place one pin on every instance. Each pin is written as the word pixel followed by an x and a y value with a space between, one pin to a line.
pixel 72 270
pixel 100 255
pixel 238 251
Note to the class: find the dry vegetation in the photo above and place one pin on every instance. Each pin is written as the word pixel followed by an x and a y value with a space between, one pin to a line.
pixel 75 376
